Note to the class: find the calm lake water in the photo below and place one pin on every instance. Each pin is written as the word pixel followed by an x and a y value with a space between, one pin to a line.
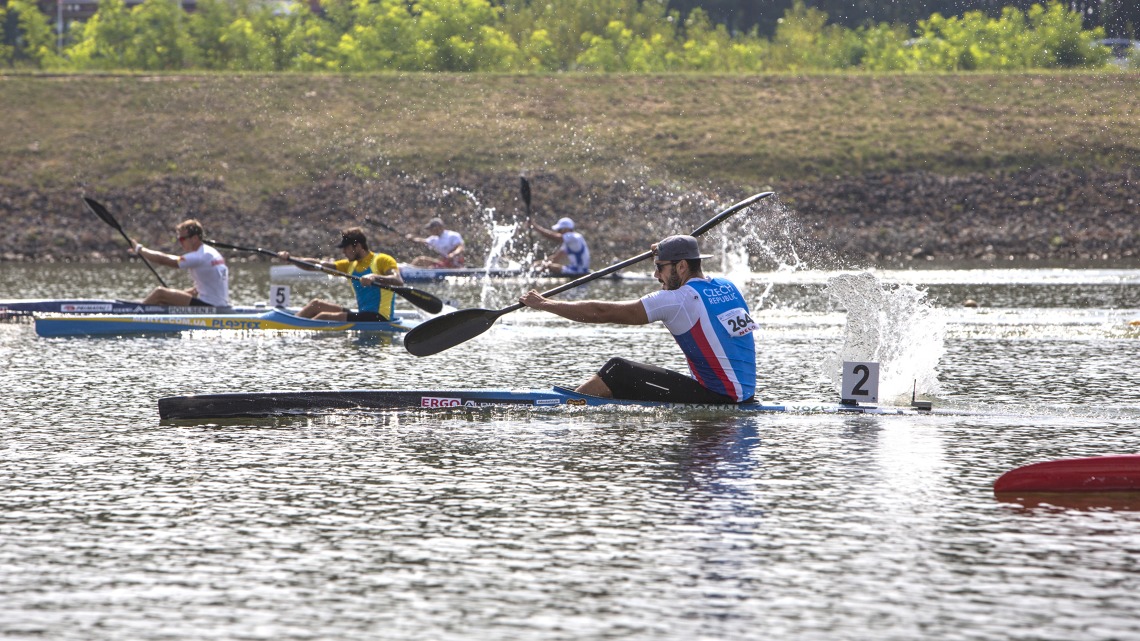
pixel 625 524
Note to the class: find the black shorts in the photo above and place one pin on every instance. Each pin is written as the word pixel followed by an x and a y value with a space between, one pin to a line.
pixel 633 381
pixel 198 302
pixel 365 317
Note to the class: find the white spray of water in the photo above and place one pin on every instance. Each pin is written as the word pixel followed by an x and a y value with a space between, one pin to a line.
pixel 893 325
pixel 767 238
pixel 502 237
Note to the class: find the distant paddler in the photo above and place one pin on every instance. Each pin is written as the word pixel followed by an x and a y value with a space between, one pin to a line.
pixel 374 271
pixel 572 257
pixel 708 318
pixel 207 269
pixel 447 245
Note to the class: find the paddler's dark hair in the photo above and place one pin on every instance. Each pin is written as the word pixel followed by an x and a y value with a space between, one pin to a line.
pixel 190 227
pixel 353 236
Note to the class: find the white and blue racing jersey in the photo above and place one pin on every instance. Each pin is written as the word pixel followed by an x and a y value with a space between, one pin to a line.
pixel 577 253
pixel 710 321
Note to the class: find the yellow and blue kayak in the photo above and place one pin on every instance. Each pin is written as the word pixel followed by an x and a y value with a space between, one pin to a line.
pixel 274 319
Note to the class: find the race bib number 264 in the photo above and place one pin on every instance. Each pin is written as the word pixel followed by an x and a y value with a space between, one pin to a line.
pixel 737 322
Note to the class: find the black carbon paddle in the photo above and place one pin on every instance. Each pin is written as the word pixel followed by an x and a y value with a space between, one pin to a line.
pixel 99 210
pixel 447 331
pixel 524 189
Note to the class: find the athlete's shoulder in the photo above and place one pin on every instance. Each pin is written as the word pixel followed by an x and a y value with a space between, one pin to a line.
pixel 666 296
pixel 212 252
pixel 383 263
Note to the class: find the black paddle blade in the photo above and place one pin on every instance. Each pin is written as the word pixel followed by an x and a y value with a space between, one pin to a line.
pixel 421 299
pixel 99 210
pixel 525 189
pixel 447 331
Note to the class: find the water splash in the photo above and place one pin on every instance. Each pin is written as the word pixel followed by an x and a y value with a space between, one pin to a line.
pixel 893 325
pixel 769 238
pixel 470 195
pixel 502 239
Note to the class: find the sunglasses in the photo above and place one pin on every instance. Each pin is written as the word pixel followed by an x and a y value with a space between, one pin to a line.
pixel 660 266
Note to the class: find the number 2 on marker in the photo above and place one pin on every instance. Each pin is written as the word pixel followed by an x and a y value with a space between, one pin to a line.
pixel 860 381
pixel 865 373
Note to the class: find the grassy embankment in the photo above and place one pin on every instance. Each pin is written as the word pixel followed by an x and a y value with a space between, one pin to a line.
pixel 267 133
pixel 251 139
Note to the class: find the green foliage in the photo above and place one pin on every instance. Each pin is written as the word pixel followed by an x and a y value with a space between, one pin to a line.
pixel 710 48
pixel 103 41
pixel 159 41
pixel 35 46
pixel 224 38
pixel 1046 37
pixel 804 42
pixel 605 36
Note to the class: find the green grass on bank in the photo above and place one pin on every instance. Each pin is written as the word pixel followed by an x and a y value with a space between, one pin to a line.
pixel 262 133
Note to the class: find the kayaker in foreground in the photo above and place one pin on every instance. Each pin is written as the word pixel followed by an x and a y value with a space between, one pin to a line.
pixel 708 317
pixel 372 303
pixel 207 269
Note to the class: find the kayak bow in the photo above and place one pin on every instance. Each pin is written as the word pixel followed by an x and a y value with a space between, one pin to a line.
pixel 1119 473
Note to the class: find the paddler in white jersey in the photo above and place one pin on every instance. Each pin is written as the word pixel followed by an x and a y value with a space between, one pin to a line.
pixel 446 243
pixel 207 269
pixel 708 318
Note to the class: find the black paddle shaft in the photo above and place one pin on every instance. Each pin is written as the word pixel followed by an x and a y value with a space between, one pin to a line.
pixel 418 297
pixel 99 210
pixel 524 189
pixel 380 223
pixel 449 330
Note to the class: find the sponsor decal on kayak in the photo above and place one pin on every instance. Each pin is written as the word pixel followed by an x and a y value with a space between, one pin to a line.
pixel 181 322
pixel 86 307
pixel 232 323
pixel 433 402
pixel 438 401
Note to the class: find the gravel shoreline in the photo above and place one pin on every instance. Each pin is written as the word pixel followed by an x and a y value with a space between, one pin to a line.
pixel 1054 216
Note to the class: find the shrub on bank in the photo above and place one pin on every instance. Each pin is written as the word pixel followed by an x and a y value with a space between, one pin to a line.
pixel 559 35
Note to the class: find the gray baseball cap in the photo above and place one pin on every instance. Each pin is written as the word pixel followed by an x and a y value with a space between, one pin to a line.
pixel 679 248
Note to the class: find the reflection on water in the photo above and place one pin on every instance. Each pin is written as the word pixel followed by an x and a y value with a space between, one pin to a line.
pixel 575 524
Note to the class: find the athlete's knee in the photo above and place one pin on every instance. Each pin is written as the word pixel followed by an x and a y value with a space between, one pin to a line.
pixel 613 366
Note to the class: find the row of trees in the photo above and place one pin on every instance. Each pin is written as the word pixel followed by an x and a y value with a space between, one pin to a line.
pixel 1120 18
pixel 521 36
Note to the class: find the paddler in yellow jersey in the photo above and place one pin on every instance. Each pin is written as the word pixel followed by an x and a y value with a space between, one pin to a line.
pixel 374 269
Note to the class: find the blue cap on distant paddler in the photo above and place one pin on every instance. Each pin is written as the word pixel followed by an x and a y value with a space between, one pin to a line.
pixel 563 224
pixel 676 248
